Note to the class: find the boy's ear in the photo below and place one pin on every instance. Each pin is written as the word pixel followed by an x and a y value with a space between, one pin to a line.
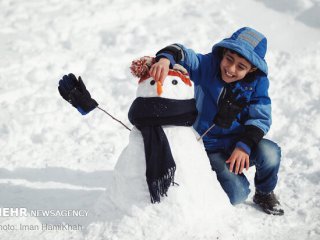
pixel 252 69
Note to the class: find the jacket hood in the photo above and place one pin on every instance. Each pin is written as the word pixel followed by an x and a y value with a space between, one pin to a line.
pixel 249 43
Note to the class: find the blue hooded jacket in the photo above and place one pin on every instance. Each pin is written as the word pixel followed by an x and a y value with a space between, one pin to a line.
pixel 204 70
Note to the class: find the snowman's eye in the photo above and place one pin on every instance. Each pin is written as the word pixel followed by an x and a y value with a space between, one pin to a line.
pixel 152 82
pixel 174 82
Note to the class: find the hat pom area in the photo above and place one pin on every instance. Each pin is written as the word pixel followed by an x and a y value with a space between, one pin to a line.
pixel 140 67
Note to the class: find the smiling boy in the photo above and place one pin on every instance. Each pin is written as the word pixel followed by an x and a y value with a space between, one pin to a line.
pixel 231 91
pixel 233 67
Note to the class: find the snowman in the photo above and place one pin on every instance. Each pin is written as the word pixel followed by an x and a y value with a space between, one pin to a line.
pixel 163 177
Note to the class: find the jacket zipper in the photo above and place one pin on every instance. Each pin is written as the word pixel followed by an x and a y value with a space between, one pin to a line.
pixel 222 92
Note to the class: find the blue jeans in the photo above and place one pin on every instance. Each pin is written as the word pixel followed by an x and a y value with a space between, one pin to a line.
pixel 265 156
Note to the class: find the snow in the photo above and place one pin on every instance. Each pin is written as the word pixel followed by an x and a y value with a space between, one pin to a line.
pixel 306 11
pixel 53 158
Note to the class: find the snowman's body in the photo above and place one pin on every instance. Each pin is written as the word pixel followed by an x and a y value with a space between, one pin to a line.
pixel 195 201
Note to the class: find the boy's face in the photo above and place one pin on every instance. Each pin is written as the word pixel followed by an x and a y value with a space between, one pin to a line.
pixel 234 67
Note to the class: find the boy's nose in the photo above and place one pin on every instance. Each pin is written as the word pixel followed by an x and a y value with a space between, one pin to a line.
pixel 232 68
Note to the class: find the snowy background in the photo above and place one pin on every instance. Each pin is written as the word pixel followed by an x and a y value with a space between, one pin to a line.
pixel 53 158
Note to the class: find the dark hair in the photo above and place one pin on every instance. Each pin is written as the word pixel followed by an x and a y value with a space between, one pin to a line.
pixel 251 76
pixel 234 52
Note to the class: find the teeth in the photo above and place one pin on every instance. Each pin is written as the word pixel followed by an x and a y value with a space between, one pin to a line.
pixel 228 74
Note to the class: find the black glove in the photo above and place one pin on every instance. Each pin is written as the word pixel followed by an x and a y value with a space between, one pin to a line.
pixel 229 108
pixel 74 91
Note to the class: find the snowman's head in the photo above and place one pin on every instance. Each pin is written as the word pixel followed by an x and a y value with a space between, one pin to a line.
pixel 177 85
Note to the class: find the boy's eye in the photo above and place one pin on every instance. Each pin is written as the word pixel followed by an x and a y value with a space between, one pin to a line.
pixel 229 58
pixel 152 82
pixel 174 82
pixel 242 67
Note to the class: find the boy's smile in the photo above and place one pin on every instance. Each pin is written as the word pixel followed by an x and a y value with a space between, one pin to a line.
pixel 233 67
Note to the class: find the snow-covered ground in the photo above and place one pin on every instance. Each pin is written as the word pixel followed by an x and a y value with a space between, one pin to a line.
pixel 53 158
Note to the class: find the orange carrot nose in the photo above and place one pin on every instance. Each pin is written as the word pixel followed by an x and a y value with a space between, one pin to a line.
pixel 159 88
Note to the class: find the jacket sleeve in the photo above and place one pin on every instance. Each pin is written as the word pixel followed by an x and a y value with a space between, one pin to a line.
pixel 177 53
pixel 259 119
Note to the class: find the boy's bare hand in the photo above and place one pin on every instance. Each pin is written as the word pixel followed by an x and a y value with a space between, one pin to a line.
pixel 238 160
pixel 160 69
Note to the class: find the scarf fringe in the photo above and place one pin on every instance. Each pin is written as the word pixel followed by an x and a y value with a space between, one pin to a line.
pixel 159 187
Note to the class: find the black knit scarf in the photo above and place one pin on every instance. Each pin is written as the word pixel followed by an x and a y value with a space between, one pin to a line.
pixel 148 115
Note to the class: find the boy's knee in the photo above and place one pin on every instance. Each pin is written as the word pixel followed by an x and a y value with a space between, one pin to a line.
pixel 269 152
pixel 217 162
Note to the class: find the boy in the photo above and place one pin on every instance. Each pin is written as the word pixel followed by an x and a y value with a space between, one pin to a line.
pixel 231 91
